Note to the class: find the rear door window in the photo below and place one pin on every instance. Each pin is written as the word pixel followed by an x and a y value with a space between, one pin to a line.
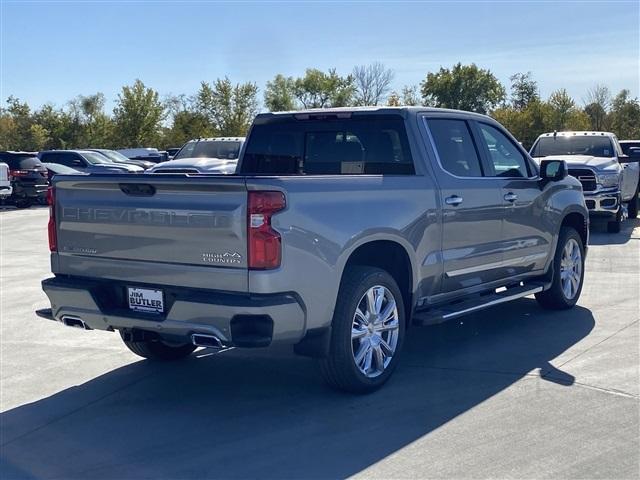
pixel 354 146
pixel 456 150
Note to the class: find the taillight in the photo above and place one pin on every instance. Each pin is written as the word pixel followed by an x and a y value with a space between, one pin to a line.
pixel 18 173
pixel 51 228
pixel 263 245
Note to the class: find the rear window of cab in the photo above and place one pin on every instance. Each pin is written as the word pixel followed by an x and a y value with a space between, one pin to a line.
pixel 362 145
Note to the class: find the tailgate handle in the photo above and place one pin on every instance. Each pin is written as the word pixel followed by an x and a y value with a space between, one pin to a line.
pixel 138 189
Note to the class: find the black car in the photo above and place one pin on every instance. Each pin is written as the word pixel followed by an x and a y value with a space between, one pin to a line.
pixel 172 152
pixel 28 177
pixel 117 157
pixel 87 161
pixel 627 145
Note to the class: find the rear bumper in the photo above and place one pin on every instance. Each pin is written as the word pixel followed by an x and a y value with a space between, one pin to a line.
pixel 5 191
pixel 30 190
pixel 237 319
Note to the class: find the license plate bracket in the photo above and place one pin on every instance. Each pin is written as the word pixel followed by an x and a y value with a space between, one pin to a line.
pixel 147 300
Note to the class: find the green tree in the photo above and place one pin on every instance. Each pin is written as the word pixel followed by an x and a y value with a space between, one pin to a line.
pixel 186 126
pixel 597 104
pixel 230 108
pixel 318 89
pixel 279 94
pixel 138 116
pixel 59 124
pixel 18 135
pixel 564 115
pixel 463 87
pixel 624 117
pixel 525 124
pixel 524 90
pixel 38 137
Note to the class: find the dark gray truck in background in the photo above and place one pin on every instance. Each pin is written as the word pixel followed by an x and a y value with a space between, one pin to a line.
pixel 341 230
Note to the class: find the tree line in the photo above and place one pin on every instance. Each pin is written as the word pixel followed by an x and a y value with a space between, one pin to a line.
pixel 141 117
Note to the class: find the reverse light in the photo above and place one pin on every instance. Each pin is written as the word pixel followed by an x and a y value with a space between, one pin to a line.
pixel 51 227
pixel 263 242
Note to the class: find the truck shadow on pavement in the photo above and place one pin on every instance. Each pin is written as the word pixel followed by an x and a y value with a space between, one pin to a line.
pixel 266 414
pixel 598 233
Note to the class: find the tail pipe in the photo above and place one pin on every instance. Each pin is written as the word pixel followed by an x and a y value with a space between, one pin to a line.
pixel 73 321
pixel 206 341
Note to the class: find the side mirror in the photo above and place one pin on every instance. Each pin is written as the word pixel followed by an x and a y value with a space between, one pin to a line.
pixel 553 170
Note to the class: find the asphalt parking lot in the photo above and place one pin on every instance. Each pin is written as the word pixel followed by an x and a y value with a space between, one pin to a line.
pixel 513 392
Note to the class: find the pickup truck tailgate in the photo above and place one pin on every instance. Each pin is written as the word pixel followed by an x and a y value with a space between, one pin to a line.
pixel 153 229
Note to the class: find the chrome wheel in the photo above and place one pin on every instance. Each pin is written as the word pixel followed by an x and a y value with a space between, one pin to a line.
pixel 374 331
pixel 571 269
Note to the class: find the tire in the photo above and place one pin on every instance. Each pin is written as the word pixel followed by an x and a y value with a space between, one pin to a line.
pixel 632 208
pixel 158 350
pixel 340 369
pixel 616 225
pixel 24 203
pixel 564 293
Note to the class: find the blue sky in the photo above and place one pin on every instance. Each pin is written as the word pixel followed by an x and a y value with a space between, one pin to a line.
pixel 53 51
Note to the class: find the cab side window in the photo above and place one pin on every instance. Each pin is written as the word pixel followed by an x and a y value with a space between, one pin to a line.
pixel 505 158
pixel 455 147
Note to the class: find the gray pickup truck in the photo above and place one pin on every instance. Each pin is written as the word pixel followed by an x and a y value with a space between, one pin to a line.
pixel 341 229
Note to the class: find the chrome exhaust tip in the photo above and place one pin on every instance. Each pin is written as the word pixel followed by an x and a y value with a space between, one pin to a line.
pixel 206 341
pixel 75 322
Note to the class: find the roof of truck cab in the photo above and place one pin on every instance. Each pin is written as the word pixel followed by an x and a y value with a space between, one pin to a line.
pixel 219 139
pixel 577 133
pixel 369 110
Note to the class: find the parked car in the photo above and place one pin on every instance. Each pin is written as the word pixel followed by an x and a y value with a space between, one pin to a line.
pixel 224 148
pixel 172 152
pixel 86 161
pixel 610 179
pixel 205 155
pixel 57 169
pixel 342 228
pixel 28 178
pixel 5 184
pixel 196 165
pixel 117 157
pixel 146 154
pixel 628 145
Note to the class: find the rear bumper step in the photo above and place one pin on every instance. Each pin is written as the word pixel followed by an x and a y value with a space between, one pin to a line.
pixel 451 311
pixel 241 320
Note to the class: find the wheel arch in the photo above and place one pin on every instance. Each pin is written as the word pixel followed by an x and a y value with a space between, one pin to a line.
pixel 391 256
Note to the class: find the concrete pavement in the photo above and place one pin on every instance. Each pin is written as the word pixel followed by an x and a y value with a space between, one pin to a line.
pixel 512 392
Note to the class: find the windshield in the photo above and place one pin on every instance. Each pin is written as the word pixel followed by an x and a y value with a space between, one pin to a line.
pixel 114 156
pixel 595 146
pixel 212 149
pixel 93 158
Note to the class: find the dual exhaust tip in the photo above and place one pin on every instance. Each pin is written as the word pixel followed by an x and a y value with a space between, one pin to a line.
pixel 198 339
pixel 206 341
pixel 75 322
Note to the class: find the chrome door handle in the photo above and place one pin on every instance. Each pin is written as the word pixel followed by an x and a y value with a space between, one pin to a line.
pixel 453 200
pixel 510 197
